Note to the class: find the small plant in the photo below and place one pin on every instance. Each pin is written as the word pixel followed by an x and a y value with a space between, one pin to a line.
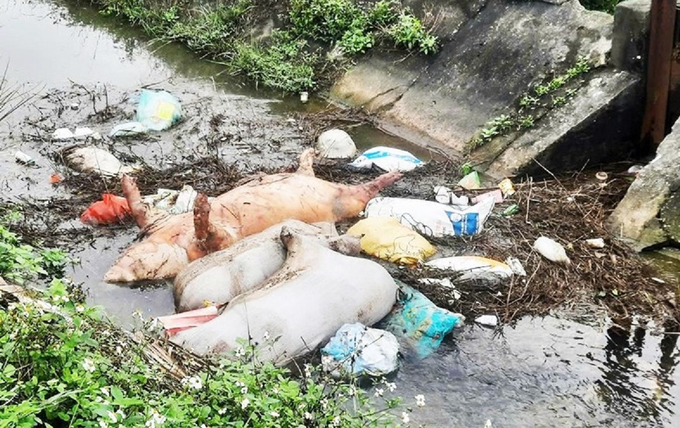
pixel 526 122
pixel 356 40
pixel 502 123
pixel 582 66
pixel 559 101
pixel 528 101
pixel 408 32
pixel 383 14
pixel 541 90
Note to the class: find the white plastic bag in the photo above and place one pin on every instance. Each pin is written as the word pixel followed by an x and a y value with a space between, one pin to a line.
pixel 431 218
pixel 473 268
pixel 358 350
pixel 551 250
pixel 388 159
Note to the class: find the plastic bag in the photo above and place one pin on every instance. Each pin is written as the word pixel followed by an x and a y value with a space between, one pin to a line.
pixel 474 269
pixel 388 159
pixel 420 322
pixel 111 209
pixel 431 218
pixel 358 350
pixel 127 129
pixel 387 239
pixel 158 110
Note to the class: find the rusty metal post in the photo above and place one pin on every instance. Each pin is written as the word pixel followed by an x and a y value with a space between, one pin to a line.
pixel 658 71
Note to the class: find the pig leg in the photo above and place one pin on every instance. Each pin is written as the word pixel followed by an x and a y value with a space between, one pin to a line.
pixel 353 199
pixel 371 189
pixel 209 237
pixel 144 215
pixel 306 162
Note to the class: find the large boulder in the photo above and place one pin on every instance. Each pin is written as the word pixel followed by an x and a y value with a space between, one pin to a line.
pixel 649 214
pixel 492 52
pixel 598 125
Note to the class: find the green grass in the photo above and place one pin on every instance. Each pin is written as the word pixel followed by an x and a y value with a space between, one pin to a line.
pixel 602 5
pixel 286 61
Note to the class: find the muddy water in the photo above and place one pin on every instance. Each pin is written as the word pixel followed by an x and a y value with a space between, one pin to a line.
pixel 549 372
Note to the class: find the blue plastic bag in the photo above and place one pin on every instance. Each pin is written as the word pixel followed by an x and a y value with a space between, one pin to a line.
pixel 358 350
pixel 158 110
pixel 422 323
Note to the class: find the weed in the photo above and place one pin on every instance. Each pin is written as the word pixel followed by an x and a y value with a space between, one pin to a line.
pixel 525 122
pixel 528 101
pixel 559 101
pixel 219 31
pixel 63 365
pixel 20 262
pixel 603 5
pixel 408 32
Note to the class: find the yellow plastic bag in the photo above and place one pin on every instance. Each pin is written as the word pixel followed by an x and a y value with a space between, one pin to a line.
pixel 387 239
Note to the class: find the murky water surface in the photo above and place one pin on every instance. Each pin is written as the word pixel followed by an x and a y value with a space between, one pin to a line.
pixel 549 372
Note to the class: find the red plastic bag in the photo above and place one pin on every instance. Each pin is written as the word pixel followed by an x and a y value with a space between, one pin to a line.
pixel 111 209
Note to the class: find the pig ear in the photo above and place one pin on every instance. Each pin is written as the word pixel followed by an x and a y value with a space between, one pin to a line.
pixel 306 162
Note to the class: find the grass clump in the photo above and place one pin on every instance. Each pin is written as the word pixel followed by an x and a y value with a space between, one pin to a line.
pixel 284 61
pixel 602 5
pixel 532 105
pixel 20 262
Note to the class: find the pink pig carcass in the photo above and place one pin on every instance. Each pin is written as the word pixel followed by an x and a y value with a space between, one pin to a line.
pixel 175 240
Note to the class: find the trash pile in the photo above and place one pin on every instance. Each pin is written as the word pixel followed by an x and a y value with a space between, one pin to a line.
pixel 265 260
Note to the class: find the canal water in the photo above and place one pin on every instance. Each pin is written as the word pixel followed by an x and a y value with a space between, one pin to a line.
pixel 570 369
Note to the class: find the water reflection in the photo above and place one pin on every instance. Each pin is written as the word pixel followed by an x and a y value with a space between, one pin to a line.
pixel 632 386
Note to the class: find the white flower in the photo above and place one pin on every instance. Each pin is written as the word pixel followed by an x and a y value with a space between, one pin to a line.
pixel 244 390
pixel 64 298
pixel 336 421
pixel 240 352
pixel 156 419
pixel 405 418
pixel 379 392
pixel 119 350
pixel 420 400
pixel 104 391
pixel 103 424
pixel 308 370
pixel 239 383
pixel 352 390
pixel 309 416
pixel 244 403
pixel 193 382
pixel 391 386
pixel 222 411
pixel 112 416
pixel 88 365
pixel 274 414
pixel 80 308
pixel 324 403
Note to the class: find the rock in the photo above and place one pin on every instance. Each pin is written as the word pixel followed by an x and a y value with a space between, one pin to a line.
pixel 335 144
pixel 598 125
pixel 491 53
pixel 637 220
pixel 630 35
